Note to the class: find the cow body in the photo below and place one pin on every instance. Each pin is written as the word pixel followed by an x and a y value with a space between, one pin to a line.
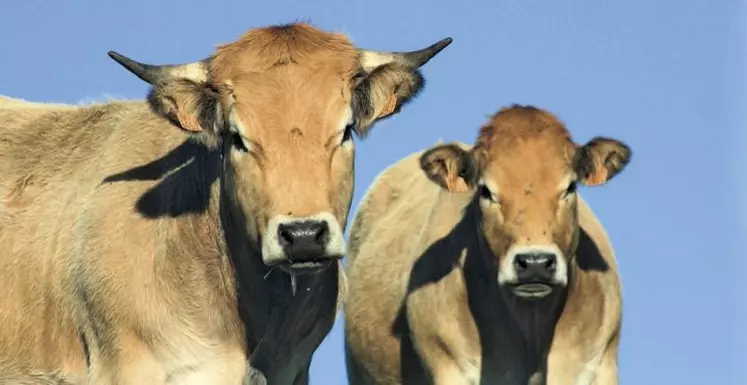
pixel 134 234
pixel 91 268
pixel 423 309
pixel 130 261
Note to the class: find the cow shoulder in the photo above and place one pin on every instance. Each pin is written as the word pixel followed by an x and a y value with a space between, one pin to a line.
pixel 385 190
pixel 597 266
pixel 591 318
pixel 395 185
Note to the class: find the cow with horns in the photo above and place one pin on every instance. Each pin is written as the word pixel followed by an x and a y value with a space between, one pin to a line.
pixel 195 237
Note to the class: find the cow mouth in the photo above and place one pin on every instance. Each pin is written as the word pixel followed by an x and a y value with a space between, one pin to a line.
pixel 310 265
pixel 532 290
pixel 307 266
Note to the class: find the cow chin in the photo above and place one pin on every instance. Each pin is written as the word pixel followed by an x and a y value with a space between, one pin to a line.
pixel 533 272
pixel 303 245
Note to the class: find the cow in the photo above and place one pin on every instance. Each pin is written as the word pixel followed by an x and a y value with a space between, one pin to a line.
pixel 194 237
pixel 481 264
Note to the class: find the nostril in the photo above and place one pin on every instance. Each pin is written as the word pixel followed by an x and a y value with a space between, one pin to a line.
pixel 551 264
pixel 322 234
pixel 521 263
pixel 285 238
pixel 535 263
pixel 303 236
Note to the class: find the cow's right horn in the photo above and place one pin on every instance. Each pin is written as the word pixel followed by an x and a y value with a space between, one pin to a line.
pixel 414 59
pixel 152 74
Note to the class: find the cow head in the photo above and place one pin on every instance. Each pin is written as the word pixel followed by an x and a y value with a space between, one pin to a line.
pixel 523 171
pixel 283 103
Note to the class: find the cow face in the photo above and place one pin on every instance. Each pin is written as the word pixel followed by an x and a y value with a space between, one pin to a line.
pixel 523 171
pixel 283 103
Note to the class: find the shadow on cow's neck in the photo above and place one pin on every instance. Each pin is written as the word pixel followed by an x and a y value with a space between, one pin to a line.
pixel 505 323
pixel 186 175
pixel 185 183
pixel 526 326
pixel 437 262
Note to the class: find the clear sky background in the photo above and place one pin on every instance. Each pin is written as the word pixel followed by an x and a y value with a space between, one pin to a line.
pixel 667 77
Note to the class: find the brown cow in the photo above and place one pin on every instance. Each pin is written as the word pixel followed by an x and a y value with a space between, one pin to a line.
pixel 497 273
pixel 194 238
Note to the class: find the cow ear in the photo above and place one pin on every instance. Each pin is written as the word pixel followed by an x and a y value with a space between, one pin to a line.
pixel 180 92
pixel 388 81
pixel 451 167
pixel 600 160
pixel 192 106
pixel 383 93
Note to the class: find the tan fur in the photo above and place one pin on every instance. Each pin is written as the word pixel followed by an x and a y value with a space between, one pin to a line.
pixel 7 102
pixel 420 310
pixel 128 247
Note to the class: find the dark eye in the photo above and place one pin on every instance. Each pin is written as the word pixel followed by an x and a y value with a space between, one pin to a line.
pixel 348 133
pixel 485 193
pixel 571 189
pixel 238 142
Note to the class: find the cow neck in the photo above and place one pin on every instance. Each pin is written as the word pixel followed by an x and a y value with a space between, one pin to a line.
pixel 524 326
pixel 254 280
pixel 200 223
pixel 274 318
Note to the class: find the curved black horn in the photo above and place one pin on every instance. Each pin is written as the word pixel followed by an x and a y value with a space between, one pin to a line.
pixel 422 56
pixel 371 59
pixel 152 74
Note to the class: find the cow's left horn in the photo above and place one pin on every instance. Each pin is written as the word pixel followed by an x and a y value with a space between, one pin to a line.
pixel 153 74
pixel 414 59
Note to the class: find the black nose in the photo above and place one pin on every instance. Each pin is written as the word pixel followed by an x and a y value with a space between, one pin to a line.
pixel 304 240
pixel 535 266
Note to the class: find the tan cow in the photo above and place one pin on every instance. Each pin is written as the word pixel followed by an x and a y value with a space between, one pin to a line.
pixel 497 273
pixel 194 238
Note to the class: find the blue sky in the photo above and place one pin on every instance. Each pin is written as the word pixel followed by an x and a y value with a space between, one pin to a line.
pixel 667 77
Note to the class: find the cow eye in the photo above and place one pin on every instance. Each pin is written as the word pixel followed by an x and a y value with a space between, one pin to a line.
pixel 238 143
pixel 348 133
pixel 571 189
pixel 485 193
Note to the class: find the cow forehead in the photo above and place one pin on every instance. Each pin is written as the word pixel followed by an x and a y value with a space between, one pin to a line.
pixel 293 79
pixel 264 49
pixel 312 104
pixel 526 148
pixel 524 175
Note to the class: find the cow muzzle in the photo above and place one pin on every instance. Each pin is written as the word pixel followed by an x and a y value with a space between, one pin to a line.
pixel 534 272
pixel 303 244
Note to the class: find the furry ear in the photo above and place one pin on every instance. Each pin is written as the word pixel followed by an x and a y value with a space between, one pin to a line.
pixel 599 160
pixel 383 92
pixel 451 167
pixel 180 92
pixel 192 106
pixel 389 81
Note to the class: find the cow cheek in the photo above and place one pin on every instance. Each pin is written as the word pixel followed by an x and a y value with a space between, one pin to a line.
pixel 566 234
pixel 341 183
pixel 497 240
pixel 252 203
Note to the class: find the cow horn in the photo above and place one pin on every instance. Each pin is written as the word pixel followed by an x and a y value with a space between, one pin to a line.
pixel 153 74
pixel 414 59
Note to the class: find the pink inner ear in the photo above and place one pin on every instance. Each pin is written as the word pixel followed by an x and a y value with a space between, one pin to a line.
pixel 599 173
pixel 457 184
pixel 454 181
pixel 596 178
pixel 389 107
pixel 188 122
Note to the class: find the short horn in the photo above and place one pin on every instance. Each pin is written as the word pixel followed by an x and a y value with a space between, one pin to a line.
pixel 420 57
pixel 152 74
pixel 372 59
